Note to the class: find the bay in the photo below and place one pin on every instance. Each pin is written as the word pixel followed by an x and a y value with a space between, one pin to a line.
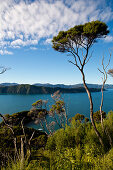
pixel 75 102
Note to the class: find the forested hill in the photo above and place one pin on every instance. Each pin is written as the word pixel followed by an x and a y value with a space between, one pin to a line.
pixel 31 89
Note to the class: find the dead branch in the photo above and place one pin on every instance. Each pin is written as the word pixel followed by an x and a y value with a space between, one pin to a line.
pixel 14 138
pixel 104 79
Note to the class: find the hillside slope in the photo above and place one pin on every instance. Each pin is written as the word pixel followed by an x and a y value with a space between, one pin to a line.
pixel 31 89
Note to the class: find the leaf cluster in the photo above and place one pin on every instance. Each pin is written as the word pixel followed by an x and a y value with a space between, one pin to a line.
pixel 97 116
pixel 82 35
pixel 58 107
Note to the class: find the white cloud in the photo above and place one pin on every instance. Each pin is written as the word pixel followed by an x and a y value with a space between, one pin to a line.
pixel 48 41
pixel 33 48
pixel 24 24
pixel 108 38
pixel 3 52
pixel 20 42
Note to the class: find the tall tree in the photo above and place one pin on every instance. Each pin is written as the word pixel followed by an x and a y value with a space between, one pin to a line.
pixel 77 41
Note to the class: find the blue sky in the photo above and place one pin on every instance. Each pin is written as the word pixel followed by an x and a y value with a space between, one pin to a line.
pixel 26 30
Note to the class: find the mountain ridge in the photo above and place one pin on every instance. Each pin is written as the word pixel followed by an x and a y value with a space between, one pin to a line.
pixel 32 89
pixel 80 85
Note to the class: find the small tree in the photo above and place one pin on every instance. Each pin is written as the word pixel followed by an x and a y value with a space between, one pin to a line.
pixel 59 109
pixel 39 112
pixel 77 41
pixel 57 112
pixel 79 117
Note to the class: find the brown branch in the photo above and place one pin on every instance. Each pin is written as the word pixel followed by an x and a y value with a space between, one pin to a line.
pixel 7 124
pixel 74 64
pixel 31 137
pixel 84 61
pixel 76 53
pixel 14 138
pixel 89 58
pixel 104 81
pixel 25 140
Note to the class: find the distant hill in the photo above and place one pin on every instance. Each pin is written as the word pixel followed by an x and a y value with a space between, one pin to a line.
pixel 8 84
pixel 107 86
pixel 31 89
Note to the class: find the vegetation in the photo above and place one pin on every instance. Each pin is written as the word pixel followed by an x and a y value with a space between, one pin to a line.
pixel 7 149
pixel 74 147
pixel 15 118
pixel 31 89
pixel 56 113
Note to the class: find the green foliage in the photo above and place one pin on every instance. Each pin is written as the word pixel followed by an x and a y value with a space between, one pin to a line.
pixel 51 143
pixel 85 151
pixel 88 32
pixel 95 29
pixel 73 147
pixel 7 145
pixel 61 139
pixel 97 116
pixel 86 119
pixel 38 103
pixel 15 118
pixel 58 107
pixel 39 141
pixel 16 165
pixel 78 117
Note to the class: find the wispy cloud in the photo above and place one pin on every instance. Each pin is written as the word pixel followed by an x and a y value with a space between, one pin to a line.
pixel 3 52
pixel 24 24
pixel 108 38
pixel 33 48
pixel 48 41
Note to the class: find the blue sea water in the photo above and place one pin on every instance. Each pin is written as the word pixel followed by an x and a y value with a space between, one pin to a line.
pixel 75 102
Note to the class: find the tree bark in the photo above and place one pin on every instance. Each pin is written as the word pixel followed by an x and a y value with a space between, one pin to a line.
pixel 22 153
pixel 91 109
pixel 102 105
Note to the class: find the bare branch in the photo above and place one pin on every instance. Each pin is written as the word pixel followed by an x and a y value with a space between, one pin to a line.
pixel 104 79
pixel 14 138
pixel 89 58
pixel 101 71
pixel 3 69
pixel 84 61
pixel 75 53
pixel 6 123
pixel 23 129
pixel 108 62
pixel 31 137
pixel 74 64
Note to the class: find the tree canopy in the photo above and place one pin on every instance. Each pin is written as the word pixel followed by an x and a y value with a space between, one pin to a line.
pixel 81 35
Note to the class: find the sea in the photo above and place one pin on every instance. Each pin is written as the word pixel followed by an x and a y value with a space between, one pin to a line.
pixel 75 102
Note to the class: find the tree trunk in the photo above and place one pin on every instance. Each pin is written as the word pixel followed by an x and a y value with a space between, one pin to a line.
pixel 16 152
pixel 22 154
pixel 60 126
pixel 101 106
pixel 91 109
pixel 47 127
